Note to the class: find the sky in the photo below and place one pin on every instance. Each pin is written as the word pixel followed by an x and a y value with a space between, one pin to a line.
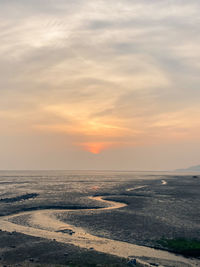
pixel 104 84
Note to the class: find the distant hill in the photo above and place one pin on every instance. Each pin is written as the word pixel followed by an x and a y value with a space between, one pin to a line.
pixel 190 169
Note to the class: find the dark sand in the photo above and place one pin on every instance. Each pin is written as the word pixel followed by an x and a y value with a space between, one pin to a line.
pixel 154 210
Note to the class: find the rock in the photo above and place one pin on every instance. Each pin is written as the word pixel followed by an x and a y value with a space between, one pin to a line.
pixel 132 262
pixel 66 231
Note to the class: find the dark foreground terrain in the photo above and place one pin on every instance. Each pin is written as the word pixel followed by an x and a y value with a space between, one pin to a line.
pixel 21 250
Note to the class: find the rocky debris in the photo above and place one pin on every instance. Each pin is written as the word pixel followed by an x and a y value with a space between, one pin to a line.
pixel 66 231
pixel 132 262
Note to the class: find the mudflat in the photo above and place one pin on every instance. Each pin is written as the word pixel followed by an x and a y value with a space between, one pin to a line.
pixel 152 211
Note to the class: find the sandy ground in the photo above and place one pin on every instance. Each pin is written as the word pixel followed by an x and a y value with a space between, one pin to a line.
pixel 165 206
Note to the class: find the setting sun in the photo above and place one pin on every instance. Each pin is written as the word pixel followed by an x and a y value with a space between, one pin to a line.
pixel 94 148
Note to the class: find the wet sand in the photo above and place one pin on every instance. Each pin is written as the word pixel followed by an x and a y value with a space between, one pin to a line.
pixel 45 223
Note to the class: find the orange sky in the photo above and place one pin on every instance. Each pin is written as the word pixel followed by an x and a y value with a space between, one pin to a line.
pixel 117 80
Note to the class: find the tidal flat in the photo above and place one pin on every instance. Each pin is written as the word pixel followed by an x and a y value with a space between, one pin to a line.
pixel 73 219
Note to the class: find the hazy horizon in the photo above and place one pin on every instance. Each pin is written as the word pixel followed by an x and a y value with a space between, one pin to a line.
pixel 100 85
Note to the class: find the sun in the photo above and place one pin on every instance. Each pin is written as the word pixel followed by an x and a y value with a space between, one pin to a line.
pixel 94 147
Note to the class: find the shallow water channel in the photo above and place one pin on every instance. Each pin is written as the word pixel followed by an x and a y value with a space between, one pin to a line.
pixel 44 223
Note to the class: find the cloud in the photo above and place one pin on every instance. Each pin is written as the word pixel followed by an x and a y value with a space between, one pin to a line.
pixel 122 72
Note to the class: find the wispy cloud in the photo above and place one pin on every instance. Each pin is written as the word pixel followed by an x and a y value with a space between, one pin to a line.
pixel 121 72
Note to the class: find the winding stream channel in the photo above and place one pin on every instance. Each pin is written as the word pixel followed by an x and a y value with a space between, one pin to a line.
pixel 45 224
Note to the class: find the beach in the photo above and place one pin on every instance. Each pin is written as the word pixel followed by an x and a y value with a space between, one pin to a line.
pixel 121 214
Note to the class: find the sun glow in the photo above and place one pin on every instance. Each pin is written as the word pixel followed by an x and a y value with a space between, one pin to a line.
pixel 94 148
